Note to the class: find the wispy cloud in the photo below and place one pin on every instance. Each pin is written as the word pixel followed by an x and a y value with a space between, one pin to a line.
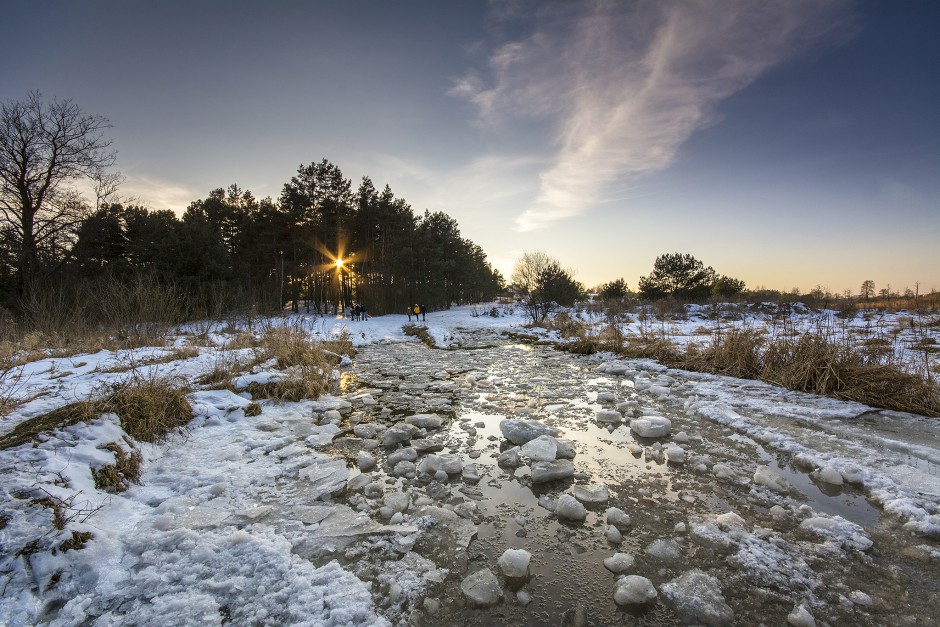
pixel 158 194
pixel 622 85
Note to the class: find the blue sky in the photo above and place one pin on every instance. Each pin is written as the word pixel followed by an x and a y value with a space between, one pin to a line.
pixel 789 143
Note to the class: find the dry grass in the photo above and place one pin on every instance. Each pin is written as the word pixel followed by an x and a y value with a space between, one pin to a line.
pixel 421 333
pixel 118 476
pixel 149 407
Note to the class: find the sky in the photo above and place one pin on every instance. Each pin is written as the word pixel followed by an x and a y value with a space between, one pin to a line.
pixel 788 143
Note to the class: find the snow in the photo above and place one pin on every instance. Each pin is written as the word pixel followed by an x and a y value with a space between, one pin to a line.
pixel 515 562
pixel 242 519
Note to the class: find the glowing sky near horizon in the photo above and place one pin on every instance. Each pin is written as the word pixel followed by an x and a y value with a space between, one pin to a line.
pixel 790 143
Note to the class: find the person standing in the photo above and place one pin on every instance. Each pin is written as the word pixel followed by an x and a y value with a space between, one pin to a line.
pixel 424 311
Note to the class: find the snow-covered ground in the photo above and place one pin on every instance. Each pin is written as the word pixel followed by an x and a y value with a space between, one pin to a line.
pixel 361 508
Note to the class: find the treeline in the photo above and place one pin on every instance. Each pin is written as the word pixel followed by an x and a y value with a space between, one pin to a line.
pixel 320 246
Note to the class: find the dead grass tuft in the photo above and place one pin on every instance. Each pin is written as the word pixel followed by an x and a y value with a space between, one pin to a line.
pixel 149 407
pixel 77 541
pixel 125 470
pixel 421 333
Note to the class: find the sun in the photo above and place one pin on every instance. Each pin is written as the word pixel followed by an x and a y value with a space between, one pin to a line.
pixel 339 263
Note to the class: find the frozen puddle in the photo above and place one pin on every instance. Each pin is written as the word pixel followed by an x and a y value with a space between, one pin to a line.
pixel 758 505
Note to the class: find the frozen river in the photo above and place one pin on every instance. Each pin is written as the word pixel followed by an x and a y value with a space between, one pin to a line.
pixel 794 537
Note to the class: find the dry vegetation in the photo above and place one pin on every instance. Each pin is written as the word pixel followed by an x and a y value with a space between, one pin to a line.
pixel 820 361
pixel 149 407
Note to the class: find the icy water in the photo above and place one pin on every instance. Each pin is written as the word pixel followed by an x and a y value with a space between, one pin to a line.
pixel 765 568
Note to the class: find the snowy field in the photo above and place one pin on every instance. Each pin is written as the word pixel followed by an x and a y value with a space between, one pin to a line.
pixel 495 482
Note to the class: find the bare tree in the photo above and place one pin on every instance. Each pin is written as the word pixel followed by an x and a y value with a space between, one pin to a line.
pixel 44 147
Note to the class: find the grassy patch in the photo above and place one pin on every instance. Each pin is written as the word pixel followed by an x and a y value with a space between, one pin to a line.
pixel 76 541
pixel 150 408
pixel 118 476
pixel 413 330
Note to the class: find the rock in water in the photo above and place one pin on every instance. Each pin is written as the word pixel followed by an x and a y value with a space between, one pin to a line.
pixel 651 426
pixel 425 421
pixel 613 535
pixel 565 449
pixel 550 471
pixel 515 562
pixel 828 475
pixel 608 416
pixel 482 588
pixel 696 597
pixel 619 563
pixel 569 508
pixel 634 590
pixel 510 458
pixel 592 495
pixel 521 431
pixel 541 449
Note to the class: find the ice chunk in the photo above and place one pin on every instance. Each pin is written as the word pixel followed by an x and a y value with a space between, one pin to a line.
pixel 521 431
pixel 842 531
pixel 618 518
pixel 606 397
pixel 550 471
pixel 425 421
pixel 470 473
pixel 326 478
pixel 651 426
pixel 696 597
pixel 608 416
pixel 613 535
pixel 427 445
pixel 664 549
pixel 397 434
pixel 592 495
pixel 680 438
pixel 407 454
pixel 800 617
pixel 860 598
pixel 565 449
pixel 403 468
pixel 675 454
pixel 619 563
pixel 766 477
pixel 510 458
pixel 543 448
pixel 523 597
pixel 398 501
pixel 730 519
pixel 829 475
pixel 634 590
pixel 515 562
pixel 482 588
pixel 365 461
pixel 569 508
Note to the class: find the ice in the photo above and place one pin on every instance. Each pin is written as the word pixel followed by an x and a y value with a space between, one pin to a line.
pixel 427 445
pixel 675 454
pixel 634 590
pixel 608 416
pixel 425 421
pixel 470 474
pixel 365 461
pixel 510 458
pixel 523 597
pixel 550 471
pixel 397 434
pixel 521 431
pixel 606 397
pixel 568 508
pixel 326 478
pixel 397 501
pixel 860 598
pixel 591 495
pixel 619 563
pixel 566 449
pixel 664 549
pixel 829 475
pixel 482 588
pixel 448 464
pixel 403 469
pixel 651 426
pixel 767 477
pixel 800 617
pixel 680 438
pixel 618 518
pixel 515 562
pixel 843 532
pixel 696 597
pixel 613 535
pixel 407 454
pixel 542 448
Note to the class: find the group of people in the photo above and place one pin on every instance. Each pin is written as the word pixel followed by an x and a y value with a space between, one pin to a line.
pixel 417 310
pixel 358 312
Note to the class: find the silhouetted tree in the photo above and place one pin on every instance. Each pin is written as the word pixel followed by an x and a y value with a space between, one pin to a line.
pixel 45 146
pixel 678 275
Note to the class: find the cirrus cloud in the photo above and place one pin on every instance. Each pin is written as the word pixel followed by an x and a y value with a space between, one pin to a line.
pixel 621 85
